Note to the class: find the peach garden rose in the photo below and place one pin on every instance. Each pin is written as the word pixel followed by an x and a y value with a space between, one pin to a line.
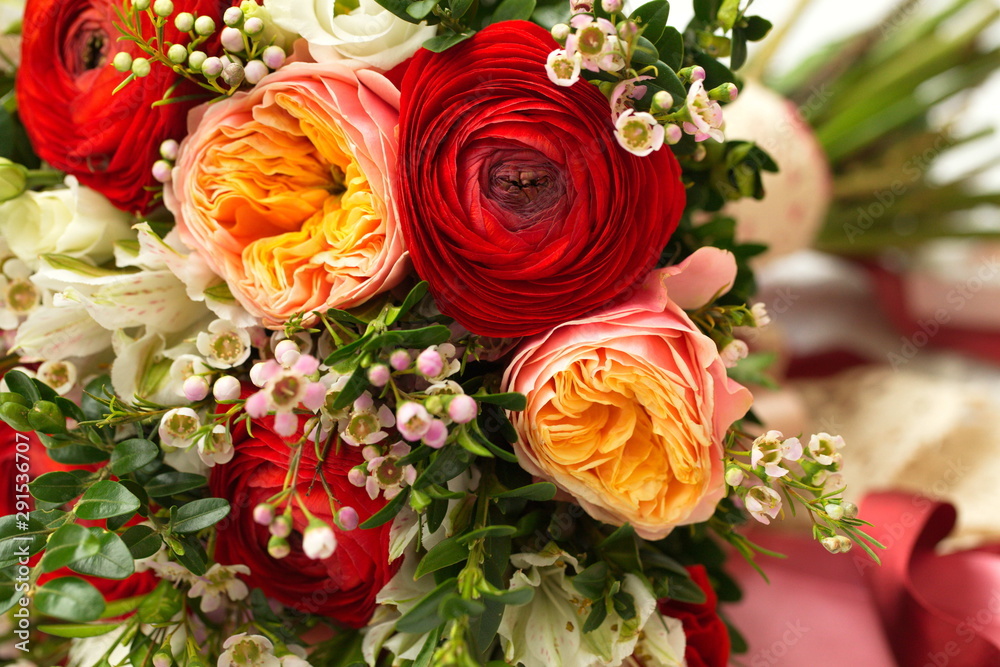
pixel 287 191
pixel 628 407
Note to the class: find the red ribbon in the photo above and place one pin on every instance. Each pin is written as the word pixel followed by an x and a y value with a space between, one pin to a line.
pixel 936 610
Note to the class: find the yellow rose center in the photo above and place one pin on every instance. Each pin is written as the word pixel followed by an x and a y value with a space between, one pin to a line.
pixel 629 431
pixel 288 188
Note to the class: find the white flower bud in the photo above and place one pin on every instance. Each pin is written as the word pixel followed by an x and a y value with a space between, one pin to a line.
pixel 560 32
pixel 253 26
pixel 212 66
pixel 233 17
pixel 177 53
pixel 232 40
pixel 168 149
pixel 141 5
pixel 318 541
pixel 197 59
pixel 163 7
pixel 831 544
pixel 13 179
pixel 141 67
pixel 273 56
pixel 184 22
pixel 161 171
pixel 123 61
pixel 255 71
pixel 204 25
pixel 835 512
pixel 850 510
pixel 226 388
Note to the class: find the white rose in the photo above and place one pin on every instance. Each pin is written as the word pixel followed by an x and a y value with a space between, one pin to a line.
pixel 74 221
pixel 371 35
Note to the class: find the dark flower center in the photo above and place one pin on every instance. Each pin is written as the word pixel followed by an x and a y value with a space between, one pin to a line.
pixel 524 185
pixel 87 46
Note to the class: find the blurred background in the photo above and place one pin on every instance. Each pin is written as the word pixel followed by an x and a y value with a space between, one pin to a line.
pixel 883 284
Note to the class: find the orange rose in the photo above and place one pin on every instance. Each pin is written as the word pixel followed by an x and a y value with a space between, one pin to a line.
pixel 287 191
pixel 627 408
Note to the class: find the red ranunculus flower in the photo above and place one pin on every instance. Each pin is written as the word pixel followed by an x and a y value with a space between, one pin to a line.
pixel 516 202
pixel 706 633
pixel 64 96
pixel 343 586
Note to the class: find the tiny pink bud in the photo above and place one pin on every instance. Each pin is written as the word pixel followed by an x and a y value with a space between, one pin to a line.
pixel 463 409
pixel 255 71
pixel 263 514
pixel 347 518
pixel 273 56
pixel 436 434
pixel 277 547
pixel 195 388
pixel 253 26
pixel 429 363
pixel 232 40
pixel 400 360
pixel 698 73
pixel 226 388
pixel 212 66
pixel 281 526
pixel 378 375
pixel 168 149
pixel 357 477
pixel 161 171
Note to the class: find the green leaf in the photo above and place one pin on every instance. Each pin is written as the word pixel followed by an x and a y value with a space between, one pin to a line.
pixel 75 455
pixel 683 589
pixel 447 464
pixel 56 487
pixel 420 289
pixel 444 553
pixel 389 512
pixel 592 582
pixel 653 17
pixel 130 455
pixel 142 541
pixel 78 630
pixel 421 8
pixel 458 10
pixel 193 557
pixel 487 531
pixel 398 7
pixel 515 597
pixel 174 483
pixel 418 338
pixel 622 548
pixel 112 561
pixel 738 54
pixel 541 492
pixel 624 605
pixel 704 10
pixel 510 401
pixel 645 52
pixel 19 383
pixel 598 613
pixel 200 514
pixel 444 42
pixel 757 28
pixel 671 48
pixel 71 599
pixel 354 387
pixel 455 607
pixel 424 615
pixel 728 13
pixel 667 79
pixel 161 604
pixel 68 544
pixel 106 499
pixel 9 593
pixel 92 408
pixel 19 537
pixel 513 10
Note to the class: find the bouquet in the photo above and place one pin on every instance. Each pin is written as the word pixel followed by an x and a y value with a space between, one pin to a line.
pixel 396 333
